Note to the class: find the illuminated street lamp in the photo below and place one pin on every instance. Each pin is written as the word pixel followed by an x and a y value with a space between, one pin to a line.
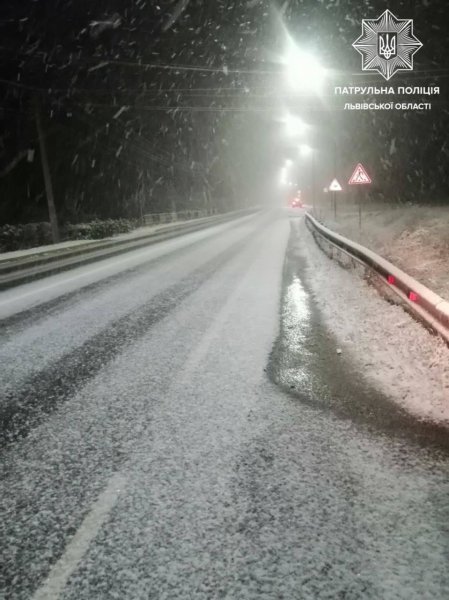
pixel 285 172
pixel 306 150
pixel 302 70
pixel 294 126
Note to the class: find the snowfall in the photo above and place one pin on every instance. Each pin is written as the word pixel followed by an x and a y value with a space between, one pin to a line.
pixel 396 353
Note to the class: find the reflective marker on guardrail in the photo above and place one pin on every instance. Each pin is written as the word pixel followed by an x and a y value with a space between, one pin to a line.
pixel 428 305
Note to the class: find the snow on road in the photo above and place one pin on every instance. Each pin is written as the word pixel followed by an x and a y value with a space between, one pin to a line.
pixel 32 294
pixel 170 466
pixel 23 354
pixel 396 353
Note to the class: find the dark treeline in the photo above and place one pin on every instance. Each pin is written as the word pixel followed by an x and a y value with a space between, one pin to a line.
pixel 123 136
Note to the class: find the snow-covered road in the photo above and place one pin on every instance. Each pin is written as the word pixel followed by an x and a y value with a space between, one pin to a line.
pixel 177 423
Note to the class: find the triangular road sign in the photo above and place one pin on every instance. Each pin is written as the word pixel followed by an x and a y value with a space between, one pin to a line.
pixel 335 186
pixel 360 176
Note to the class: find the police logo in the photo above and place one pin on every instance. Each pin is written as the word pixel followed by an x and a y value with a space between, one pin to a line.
pixel 387 45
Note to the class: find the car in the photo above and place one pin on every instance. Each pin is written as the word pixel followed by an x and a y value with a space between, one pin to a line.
pixel 296 203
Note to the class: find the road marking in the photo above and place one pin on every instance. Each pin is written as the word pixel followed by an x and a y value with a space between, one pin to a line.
pixel 53 586
pixel 60 573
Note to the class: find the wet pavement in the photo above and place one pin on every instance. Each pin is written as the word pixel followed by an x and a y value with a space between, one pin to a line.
pixel 186 429
pixel 303 354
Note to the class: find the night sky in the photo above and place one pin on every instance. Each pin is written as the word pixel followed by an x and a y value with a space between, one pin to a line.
pixel 163 106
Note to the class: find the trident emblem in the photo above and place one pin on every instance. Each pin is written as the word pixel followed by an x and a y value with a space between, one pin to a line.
pixel 387 45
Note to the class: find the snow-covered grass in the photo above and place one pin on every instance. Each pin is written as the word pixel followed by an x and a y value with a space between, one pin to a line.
pixel 414 238
pixel 404 360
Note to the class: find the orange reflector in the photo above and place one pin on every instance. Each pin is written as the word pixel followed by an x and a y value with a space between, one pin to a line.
pixel 413 296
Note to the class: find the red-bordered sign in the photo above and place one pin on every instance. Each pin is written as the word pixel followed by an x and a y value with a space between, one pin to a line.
pixel 360 176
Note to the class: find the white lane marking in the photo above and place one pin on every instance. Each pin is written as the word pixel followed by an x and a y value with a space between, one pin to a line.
pixel 60 573
pixel 54 585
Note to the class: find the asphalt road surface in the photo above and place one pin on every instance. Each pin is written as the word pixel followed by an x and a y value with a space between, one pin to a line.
pixel 177 423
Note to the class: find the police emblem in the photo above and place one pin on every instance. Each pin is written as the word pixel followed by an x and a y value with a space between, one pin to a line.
pixel 387 45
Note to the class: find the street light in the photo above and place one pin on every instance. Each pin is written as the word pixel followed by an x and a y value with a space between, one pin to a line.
pixel 294 126
pixel 302 70
pixel 285 172
pixel 305 150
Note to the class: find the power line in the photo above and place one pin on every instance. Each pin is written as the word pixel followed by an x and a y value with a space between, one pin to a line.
pixel 140 148
pixel 194 68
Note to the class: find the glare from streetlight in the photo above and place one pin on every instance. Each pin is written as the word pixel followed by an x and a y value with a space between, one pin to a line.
pixel 294 126
pixel 285 172
pixel 303 70
pixel 305 150
pixel 284 176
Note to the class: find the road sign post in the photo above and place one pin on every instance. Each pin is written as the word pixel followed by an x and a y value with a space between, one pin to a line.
pixel 359 194
pixel 360 177
pixel 334 188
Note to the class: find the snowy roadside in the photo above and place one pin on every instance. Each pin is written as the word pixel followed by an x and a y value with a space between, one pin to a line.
pixel 399 356
pixel 74 244
pixel 414 238
pixel 139 232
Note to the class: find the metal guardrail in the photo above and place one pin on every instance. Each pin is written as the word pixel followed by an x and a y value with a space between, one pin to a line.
pixel 182 215
pixel 17 271
pixel 425 304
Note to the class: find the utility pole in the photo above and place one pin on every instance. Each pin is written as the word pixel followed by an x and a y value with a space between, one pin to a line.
pixel 47 178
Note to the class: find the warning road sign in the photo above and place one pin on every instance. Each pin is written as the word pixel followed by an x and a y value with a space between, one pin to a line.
pixel 360 176
pixel 335 186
